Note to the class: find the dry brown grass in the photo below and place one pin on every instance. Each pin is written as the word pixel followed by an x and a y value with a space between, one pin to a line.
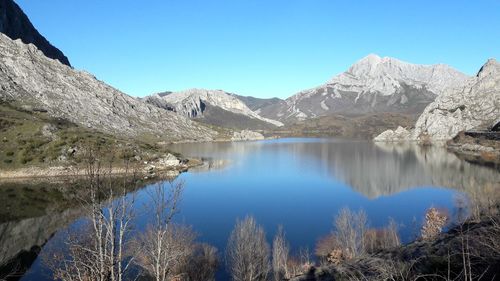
pixel 434 222
pixel 352 238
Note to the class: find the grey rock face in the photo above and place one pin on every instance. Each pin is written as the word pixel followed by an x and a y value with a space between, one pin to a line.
pixel 16 25
pixel 399 135
pixel 475 104
pixel 28 77
pixel 372 85
pixel 194 103
pixel 247 135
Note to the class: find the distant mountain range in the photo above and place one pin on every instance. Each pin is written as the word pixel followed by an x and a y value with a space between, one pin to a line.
pixel 214 107
pixel 374 86
pixel 371 85
pixel 373 95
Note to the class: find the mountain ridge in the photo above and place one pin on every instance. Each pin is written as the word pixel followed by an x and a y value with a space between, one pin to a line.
pixel 29 77
pixel 200 103
pixel 371 85
pixel 16 25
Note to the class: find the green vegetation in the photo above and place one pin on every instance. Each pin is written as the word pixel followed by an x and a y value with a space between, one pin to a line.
pixel 32 138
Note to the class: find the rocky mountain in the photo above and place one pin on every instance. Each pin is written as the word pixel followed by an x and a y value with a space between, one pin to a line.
pixel 372 85
pixel 28 78
pixel 214 107
pixel 257 104
pixel 475 104
pixel 16 25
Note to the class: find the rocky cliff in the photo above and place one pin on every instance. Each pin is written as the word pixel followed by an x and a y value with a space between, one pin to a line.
pixel 372 85
pixel 475 104
pixel 15 24
pixel 212 106
pixel 30 79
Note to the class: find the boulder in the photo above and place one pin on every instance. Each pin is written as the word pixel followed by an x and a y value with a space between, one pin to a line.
pixel 247 135
pixel 399 135
pixel 169 160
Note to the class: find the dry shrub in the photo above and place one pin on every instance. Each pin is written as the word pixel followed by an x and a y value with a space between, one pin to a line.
pixel 247 252
pixel 350 228
pixel 202 264
pixel 383 238
pixel 294 267
pixel 281 252
pixel 488 156
pixel 483 201
pixel 352 238
pixel 325 246
pixel 434 222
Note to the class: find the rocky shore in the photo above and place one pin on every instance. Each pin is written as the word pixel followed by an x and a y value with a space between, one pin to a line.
pixel 470 248
pixel 168 165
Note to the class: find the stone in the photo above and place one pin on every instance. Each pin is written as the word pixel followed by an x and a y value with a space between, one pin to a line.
pixel 399 135
pixel 169 160
pixel 247 135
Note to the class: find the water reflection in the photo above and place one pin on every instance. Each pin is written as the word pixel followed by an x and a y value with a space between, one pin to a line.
pixel 21 240
pixel 371 169
pixel 299 183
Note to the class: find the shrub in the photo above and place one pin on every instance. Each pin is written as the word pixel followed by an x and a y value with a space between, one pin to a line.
pixel 247 252
pixel 382 238
pixel 26 159
pixel 350 231
pixel 434 222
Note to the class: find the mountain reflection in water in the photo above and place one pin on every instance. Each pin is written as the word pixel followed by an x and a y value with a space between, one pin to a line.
pixel 298 183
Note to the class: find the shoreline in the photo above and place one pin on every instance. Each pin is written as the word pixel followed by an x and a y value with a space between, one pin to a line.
pixel 61 172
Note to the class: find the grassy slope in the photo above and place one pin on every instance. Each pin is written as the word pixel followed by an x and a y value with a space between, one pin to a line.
pixel 25 142
pixel 359 127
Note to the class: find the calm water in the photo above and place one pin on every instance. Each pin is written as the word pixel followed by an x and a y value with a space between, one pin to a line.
pixel 301 184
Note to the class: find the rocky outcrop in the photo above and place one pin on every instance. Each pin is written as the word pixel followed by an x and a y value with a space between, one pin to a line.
pixel 194 103
pixel 169 160
pixel 372 85
pixel 399 135
pixel 16 25
pixel 475 104
pixel 28 77
pixel 247 135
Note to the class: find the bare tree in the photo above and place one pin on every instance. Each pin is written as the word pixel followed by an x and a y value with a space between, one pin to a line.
pixel 281 253
pixel 247 252
pixel 164 246
pixel 98 252
pixel 166 257
pixel 350 228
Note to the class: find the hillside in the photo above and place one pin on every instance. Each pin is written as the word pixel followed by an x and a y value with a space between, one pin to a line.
pixel 30 79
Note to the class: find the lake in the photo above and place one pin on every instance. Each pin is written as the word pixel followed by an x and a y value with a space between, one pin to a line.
pixel 299 183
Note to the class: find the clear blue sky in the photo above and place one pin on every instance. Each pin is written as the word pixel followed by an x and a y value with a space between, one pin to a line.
pixel 262 48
